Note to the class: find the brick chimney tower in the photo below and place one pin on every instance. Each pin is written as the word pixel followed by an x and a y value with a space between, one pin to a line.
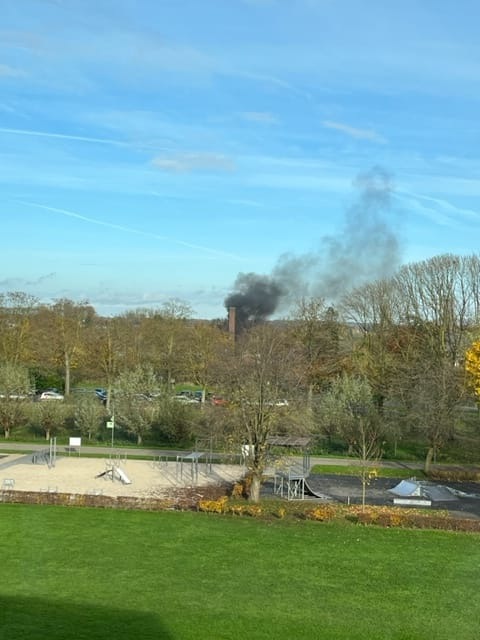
pixel 232 328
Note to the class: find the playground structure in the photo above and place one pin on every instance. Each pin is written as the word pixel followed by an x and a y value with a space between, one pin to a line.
pixel 46 456
pixel 187 465
pixel 114 472
pixel 290 475
pixel 196 466
pixel 192 460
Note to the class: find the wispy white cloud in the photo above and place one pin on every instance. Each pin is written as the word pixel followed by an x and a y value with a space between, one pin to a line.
pixel 187 162
pixel 6 108
pixel 261 117
pixel 245 203
pixel 205 303
pixel 438 210
pixel 260 3
pixel 354 132
pixel 139 232
pixel 6 71
pixel 266 79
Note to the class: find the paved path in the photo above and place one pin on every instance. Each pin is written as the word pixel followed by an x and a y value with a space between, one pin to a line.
pixel 7 446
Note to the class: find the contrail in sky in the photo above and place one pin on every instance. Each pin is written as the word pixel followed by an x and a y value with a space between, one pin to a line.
pixel 138 232
pixel 64 136
pixel 87 139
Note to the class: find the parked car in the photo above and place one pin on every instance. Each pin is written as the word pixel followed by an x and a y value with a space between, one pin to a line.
pixel 184 399
pixel 14 396
pixel 50 395
pixel 101 395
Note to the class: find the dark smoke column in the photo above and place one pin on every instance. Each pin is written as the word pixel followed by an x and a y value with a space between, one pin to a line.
pixel 255 298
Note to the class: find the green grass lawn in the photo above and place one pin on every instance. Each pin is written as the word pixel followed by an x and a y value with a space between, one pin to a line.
pixel 92 573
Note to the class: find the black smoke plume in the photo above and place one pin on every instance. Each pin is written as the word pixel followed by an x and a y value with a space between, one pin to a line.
pixel 365 249
pixel 255 298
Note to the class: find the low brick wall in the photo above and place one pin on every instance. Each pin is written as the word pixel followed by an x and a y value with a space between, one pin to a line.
pixel 84 500
pixel 179 499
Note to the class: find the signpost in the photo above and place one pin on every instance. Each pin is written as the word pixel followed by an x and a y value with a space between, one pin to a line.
pixel 74 445
pixel 111 425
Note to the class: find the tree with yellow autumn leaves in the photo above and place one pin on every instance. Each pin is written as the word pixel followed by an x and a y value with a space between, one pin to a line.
pixel 472 367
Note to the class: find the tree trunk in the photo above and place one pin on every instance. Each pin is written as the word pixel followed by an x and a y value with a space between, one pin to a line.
pixel 310 397
pixel 7 433
pixel 47 434
pixel 139 438
pixel 364 491
pixel 67 374
pixel 255 488
pixel 428 460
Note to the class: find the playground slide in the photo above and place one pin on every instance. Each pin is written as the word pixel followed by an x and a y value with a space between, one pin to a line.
pixel 122 476
pixel 314 492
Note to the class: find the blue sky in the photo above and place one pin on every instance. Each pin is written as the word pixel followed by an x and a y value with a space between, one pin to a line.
pixel 154 149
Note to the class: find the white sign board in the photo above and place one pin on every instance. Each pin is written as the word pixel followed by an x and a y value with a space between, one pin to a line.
pixel 248 451
pixel 75 442
pixel 110 424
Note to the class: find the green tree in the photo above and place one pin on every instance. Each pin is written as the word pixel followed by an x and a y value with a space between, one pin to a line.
pixel 50 416
pixel 15 387
pixel 472 367
pixel 136 408
pixel 350 408
pixel 89 416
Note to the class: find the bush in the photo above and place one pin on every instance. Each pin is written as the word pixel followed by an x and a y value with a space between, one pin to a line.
pixel 410 518
pixel 213 506
pixel 321 513
pixel 454 475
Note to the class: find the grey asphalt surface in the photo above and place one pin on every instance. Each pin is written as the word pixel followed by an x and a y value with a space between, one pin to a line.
pixel 348 490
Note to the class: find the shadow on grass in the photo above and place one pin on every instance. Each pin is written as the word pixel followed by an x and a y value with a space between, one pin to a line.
pixel 34 618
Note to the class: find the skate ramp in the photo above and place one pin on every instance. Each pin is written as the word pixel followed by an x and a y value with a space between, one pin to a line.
pixel 412 488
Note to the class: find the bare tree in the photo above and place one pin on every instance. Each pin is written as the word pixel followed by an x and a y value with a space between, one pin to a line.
pixel 372 311
pixel 60 335
pixel 259 369
pixel 166 333
pixel 205 347
pixel 317 330
pixel 16 310
pixel 439 298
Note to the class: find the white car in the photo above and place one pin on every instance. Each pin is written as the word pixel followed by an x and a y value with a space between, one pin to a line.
pixel 50 395
pixel 184 399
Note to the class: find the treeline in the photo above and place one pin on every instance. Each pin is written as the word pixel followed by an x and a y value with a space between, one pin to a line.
pixel 388 359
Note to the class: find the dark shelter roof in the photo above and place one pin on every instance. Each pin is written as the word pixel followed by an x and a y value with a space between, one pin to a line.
pixel 289 441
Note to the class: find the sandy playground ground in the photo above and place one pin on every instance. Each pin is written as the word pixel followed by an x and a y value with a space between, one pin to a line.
pixel 137 478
